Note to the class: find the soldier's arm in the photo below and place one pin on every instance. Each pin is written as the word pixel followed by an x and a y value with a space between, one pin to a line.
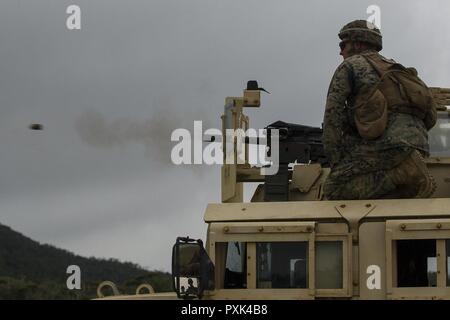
pixel 431 116
pixel 335 117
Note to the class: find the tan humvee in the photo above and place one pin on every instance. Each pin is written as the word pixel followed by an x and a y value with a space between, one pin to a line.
pixel 307 248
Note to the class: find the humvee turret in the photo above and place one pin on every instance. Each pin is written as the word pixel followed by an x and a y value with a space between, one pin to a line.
pixel 290 243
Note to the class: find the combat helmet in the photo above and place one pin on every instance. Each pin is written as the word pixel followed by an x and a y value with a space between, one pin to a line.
pixel 363 31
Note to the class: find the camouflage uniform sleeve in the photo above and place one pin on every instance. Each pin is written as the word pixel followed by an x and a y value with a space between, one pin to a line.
pixel 335 118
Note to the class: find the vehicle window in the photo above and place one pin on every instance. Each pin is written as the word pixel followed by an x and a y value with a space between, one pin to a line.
pixel 329 265
pixel 236 266
pixel 416 263
pixel 282 265
pixel 439 137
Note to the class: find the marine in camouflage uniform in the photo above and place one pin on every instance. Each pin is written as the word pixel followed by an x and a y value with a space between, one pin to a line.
pixel 390 166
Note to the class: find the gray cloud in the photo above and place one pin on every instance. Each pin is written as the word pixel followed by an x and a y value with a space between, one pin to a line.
pixel 153 133
pixel 97 180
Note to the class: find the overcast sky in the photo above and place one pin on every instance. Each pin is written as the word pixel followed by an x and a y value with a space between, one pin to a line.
pixel 98 179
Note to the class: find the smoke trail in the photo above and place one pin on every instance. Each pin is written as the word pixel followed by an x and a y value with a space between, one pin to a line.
pixel 154 133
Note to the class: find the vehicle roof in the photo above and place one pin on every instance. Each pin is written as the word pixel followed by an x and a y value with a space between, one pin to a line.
pixel 328 210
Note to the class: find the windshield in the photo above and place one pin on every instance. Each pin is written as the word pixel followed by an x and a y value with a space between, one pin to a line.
pixel 439 137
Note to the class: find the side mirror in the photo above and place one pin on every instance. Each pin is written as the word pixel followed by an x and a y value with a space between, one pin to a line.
pixel 192 269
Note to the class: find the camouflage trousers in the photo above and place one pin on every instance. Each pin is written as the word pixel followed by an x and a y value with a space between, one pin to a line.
pixel 408 179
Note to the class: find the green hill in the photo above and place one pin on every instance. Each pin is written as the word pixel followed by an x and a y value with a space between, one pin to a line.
pixel 30 270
